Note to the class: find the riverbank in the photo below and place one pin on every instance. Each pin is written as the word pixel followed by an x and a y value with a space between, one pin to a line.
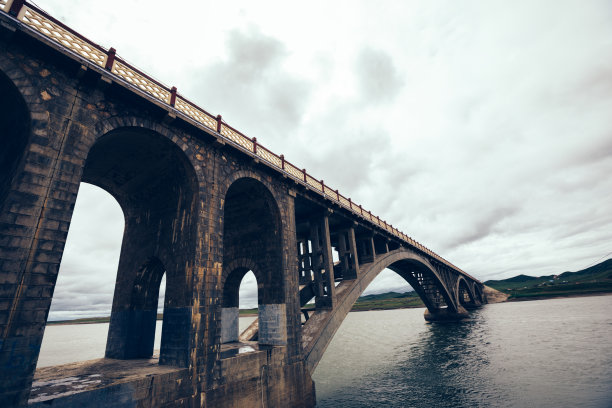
pixel 561 296
pixel 392 303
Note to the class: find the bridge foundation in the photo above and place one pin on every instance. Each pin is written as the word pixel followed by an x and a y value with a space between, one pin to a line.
pixel 446 315
pixel 252 376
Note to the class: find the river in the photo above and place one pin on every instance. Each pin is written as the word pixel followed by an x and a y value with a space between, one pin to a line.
pixel 543 353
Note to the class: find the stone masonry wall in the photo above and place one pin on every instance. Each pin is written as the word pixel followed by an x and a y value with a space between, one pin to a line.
pixel 70 111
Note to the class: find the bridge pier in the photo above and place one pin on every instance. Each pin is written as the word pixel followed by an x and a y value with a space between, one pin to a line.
pixel 446 314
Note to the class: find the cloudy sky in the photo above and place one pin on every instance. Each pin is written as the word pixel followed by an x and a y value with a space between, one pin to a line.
pixel 482 129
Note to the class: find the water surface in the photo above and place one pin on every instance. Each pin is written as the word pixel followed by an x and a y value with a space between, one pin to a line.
pixel 544 353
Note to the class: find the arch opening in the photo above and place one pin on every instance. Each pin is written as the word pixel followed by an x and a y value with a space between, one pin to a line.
pixel 157 187
pixel 425 283
pixel 240 292
pixel 84 286
pixel 252 242
pixel 14 133
pixel 388 290
pixel 464 294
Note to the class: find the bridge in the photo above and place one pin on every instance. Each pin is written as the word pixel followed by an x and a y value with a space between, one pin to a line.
pixel 203 204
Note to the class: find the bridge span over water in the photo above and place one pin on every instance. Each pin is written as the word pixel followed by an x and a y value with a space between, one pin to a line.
pixel 203 204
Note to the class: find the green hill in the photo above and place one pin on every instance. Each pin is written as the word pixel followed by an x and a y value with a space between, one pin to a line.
pixel 593 280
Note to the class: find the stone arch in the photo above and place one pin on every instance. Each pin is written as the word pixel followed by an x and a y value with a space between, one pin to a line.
pixel 14 133
pixel 231 281
pixel 21 114
pixel 319 333
pixel 156 185
pixel 252 240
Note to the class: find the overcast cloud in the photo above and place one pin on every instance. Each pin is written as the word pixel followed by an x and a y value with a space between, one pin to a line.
pixel 482 129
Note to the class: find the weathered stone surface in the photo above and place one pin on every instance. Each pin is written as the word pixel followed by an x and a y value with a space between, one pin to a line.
pixel 229 324
pixel 273 324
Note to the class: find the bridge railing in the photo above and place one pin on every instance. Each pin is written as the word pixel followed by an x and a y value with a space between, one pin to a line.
pixel 52 29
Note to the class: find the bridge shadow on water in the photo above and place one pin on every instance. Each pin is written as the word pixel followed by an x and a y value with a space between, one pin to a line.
pixel 445 367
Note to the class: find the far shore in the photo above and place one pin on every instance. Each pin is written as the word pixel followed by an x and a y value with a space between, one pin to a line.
pixel 568 295
pixel 95 320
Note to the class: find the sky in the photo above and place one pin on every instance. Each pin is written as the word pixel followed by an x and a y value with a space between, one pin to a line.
pixel 480 128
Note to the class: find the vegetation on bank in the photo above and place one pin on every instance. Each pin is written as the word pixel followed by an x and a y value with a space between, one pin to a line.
pixel 594 280
pixel 385 301
pixel 389 300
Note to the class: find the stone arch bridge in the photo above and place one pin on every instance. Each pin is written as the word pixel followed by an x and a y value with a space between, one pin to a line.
pixel 203 204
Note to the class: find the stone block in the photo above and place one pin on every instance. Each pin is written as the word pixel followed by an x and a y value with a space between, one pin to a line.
pixel 229 324
pixel 272 324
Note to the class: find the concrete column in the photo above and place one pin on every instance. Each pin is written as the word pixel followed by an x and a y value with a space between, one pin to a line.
pixel 304 262
pixel 368 252
pixel 348 254
pixel 322 264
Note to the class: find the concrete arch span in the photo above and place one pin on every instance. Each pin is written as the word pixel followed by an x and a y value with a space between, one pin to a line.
pixel 416 270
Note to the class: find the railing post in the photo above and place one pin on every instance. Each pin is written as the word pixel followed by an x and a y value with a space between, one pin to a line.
pixel 323 186
pixel 350 203
pixel 173 96
pixel 337 196
pixel 218 123
pixel 16 7
pixel 254 145
pixel 282 157
pixel 110 58
pixel 304 171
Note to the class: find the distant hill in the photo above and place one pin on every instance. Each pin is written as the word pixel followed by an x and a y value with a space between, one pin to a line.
pixel 385 301
pixel 593 280
pixel 389 300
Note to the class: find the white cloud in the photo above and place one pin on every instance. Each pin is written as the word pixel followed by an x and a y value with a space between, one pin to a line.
pixel 482 129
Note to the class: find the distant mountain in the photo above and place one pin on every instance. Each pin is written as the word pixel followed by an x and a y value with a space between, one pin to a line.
pixel 523 278
pixel 592 280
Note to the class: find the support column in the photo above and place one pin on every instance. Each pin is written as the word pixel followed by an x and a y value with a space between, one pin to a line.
pixel 367 252
pixel 322 262
pixel 349 262
pixel 305 265
pixel 34 220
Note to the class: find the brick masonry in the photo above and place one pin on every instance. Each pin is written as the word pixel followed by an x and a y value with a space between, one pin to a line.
pixel 171 181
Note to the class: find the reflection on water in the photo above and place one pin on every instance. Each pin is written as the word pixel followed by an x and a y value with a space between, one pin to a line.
pixel 553 353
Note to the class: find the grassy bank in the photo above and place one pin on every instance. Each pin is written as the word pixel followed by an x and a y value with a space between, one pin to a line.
pixel 590 281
